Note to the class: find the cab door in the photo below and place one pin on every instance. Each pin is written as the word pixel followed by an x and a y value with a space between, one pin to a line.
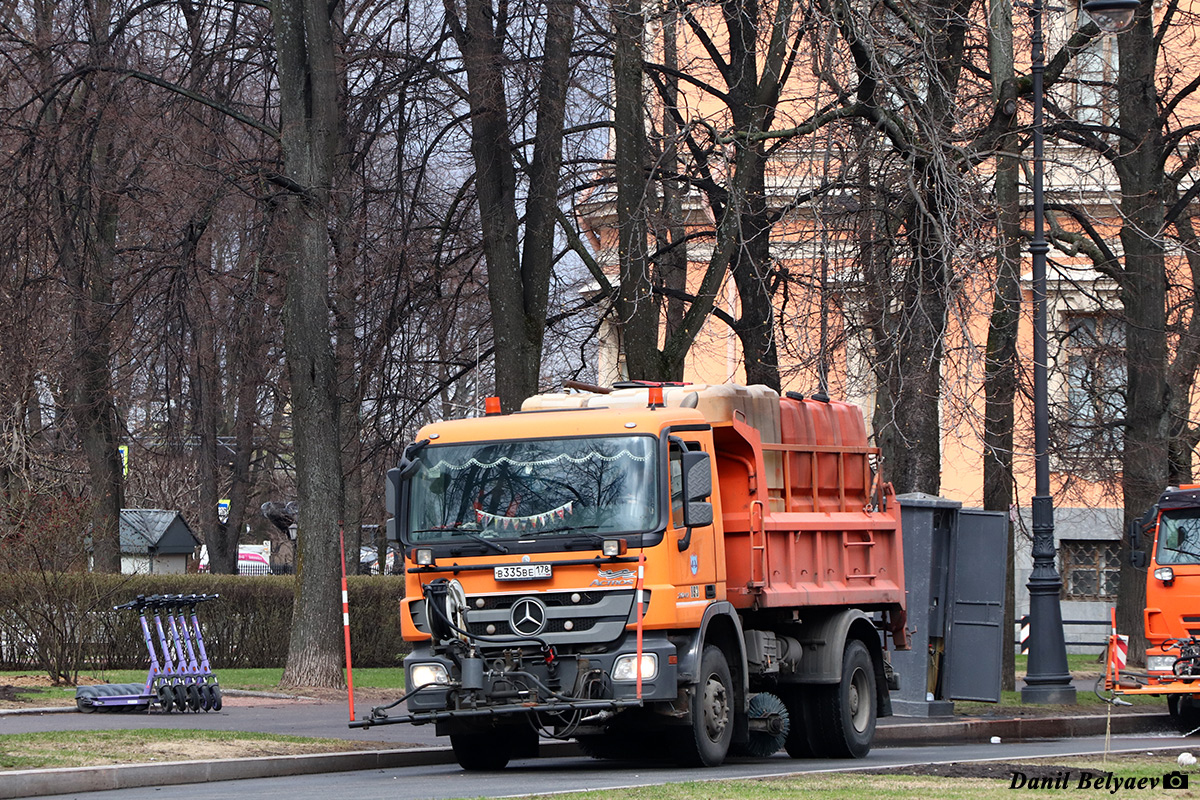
pixel 697 565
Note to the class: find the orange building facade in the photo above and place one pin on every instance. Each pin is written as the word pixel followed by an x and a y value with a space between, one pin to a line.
pixel 817 332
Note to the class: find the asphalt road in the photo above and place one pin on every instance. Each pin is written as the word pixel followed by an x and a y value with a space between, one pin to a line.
pixel 544 776
pixel 253 714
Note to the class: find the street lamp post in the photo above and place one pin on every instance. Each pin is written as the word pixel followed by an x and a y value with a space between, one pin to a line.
pixel 1047 679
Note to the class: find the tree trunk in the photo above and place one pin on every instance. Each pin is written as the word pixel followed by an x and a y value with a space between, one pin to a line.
pixel 518 281
pixel 1143 293
pixel 1000 369
pixel 309 102
pixel 637 307
pixel 88 218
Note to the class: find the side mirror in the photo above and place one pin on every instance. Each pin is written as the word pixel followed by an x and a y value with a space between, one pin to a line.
pixel 1137 555
pixel 408 461
pixel 697 487
pixel 697 476
pixel 392 502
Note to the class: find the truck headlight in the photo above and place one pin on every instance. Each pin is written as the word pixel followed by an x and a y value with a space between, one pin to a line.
pixel 427 674
pixel 423 557
pixel 614 547
pixel 1160 663
pixel 1165 574
pixel 625 668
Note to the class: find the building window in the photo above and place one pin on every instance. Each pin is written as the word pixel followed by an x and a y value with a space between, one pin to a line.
pixel 1091 570
pixel 1094 353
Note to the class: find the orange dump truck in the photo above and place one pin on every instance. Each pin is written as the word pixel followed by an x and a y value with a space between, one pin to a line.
pixel 1172 611
pixel 651 570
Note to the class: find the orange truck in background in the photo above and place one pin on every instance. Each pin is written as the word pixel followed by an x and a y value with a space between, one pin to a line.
pixel 666 570
pixel 1172 611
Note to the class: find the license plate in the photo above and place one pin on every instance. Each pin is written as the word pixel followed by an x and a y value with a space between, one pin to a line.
pixel 523 572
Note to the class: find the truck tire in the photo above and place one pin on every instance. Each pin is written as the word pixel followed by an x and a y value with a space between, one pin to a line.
pixel 844 714
pixel 705 742
pixel 1185 711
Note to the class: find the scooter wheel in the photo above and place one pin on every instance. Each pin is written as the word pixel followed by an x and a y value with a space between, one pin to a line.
pixel 205 696
pixel 193 697
pixel 180 693
pixel 166 698
pixel 216 695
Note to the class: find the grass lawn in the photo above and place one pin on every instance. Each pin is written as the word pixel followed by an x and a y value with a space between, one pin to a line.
pixel 92 748
pixel 1069 773
pixel 1090 663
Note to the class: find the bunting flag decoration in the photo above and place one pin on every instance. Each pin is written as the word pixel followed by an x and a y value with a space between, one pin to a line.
pixel 505 522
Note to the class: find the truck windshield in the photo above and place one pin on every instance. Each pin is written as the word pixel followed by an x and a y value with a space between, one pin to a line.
pixel 534 488
pixel 1179 537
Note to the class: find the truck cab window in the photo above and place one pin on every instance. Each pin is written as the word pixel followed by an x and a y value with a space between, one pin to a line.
pixel 534 489
pixel 1179 537
pixel 675 461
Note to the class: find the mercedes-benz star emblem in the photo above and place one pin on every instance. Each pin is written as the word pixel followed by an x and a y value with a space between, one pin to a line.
pixel 528 616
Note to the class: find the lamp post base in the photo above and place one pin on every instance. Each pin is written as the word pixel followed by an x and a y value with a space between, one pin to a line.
pixel 1058 693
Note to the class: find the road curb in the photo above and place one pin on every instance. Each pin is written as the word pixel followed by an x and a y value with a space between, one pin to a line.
pixel 20 712
pixel 907 734
pixel 34 783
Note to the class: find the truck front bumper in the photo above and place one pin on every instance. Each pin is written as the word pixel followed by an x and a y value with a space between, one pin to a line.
pixel 522 682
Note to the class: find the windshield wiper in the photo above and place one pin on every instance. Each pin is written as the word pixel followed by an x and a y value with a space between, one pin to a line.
pixel 456 531
pixel 1181 550
pixel 587 531
pixel 499 548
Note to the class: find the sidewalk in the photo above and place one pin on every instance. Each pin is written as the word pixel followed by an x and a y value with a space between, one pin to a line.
pixel 279 713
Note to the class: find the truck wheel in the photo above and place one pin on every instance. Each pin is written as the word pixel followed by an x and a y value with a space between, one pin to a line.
pixel 480 752
pixel 705 742
pixel 1184 711
pixel 844 715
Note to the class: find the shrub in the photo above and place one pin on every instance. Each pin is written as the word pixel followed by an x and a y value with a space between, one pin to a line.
pixel 247 627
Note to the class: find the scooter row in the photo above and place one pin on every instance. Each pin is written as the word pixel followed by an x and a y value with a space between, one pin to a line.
pixel 180 676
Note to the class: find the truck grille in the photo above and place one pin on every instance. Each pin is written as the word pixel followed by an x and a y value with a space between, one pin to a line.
pixel 595 618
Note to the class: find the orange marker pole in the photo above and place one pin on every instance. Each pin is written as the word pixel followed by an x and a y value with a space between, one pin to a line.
pixel 346 619
pixel 640 594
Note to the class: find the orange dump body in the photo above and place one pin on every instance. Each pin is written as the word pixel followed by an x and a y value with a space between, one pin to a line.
pixel 805 524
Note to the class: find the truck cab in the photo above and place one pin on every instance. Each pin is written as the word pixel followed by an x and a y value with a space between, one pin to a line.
pixel 1172 612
